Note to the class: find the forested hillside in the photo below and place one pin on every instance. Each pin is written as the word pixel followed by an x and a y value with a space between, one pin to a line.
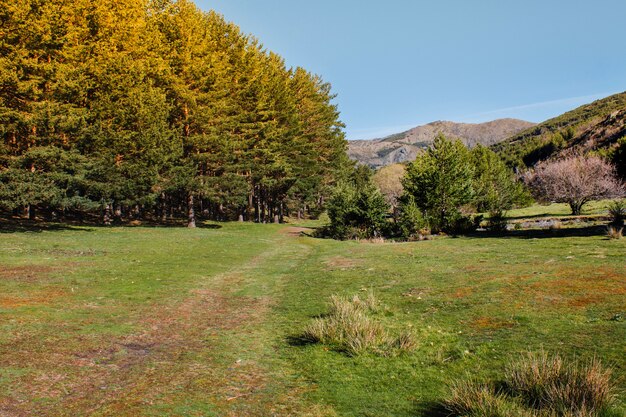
pixel 156 109
pixel 596 127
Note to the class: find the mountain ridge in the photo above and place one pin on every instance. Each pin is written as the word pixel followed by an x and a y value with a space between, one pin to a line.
pixel 404 146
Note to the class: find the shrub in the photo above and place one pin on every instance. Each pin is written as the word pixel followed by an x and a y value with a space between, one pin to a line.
pixel 550 385
pixel 497 221
pixel 357 210
pixel 349 325
pixel 462 224
pixel 411 221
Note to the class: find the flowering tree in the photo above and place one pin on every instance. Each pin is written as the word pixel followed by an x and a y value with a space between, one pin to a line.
pixel 575 180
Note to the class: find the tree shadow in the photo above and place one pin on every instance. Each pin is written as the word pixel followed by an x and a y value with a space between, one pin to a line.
pixel 538 216
pixel 564 216
pixel 34 226
pixel 299 341
pixel 582 231
pixel 19 225
pixel 432 409
pixel 167 224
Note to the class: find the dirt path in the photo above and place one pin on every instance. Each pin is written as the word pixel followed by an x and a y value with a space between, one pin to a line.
pixel 209 349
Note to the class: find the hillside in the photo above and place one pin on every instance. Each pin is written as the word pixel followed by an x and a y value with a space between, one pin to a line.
pixel 594 126
pixel 404 146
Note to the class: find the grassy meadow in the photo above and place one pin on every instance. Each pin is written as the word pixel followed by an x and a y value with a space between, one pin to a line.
pixel 147 321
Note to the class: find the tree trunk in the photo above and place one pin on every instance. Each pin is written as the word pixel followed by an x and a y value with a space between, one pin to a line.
pixel 106 218
pixel 163 208
pixel 190 211
pixel 576 207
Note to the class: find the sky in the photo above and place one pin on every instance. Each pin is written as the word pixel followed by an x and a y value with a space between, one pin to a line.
pixel 397 64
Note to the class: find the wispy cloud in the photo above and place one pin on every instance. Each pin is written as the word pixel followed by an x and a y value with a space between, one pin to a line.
pixel 538 110
pixel 377 132
pixel 570 101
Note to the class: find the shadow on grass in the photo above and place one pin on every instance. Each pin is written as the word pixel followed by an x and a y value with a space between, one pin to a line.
pixel 18 225
pixel 563 216
pixel 584 231
pixel 33 226
pixel 431 409
pixel 299 341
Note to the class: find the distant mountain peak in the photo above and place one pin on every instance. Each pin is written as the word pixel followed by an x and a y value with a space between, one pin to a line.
pixel 404 146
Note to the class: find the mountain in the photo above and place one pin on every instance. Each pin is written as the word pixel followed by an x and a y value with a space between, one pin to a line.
pixel 404 146
pixel 593 127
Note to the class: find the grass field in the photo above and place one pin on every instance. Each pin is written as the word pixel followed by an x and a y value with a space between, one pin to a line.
pixel 174 322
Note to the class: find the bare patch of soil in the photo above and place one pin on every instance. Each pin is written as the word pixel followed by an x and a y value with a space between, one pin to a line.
pixel 296 231
pixel 28 273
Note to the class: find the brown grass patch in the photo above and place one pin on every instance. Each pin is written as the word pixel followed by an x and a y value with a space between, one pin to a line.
pixel 570 287
pixel 38 298
pixel 463 292
pixel 339 262
pixel 491 323
pixel 119 376
pixel 27 273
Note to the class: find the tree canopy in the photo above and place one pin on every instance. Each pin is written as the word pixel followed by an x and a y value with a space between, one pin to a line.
pixel 155 107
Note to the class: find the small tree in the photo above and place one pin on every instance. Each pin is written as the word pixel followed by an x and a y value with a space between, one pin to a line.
pixel 441 181
pixel 389 181
pixel 496 188
pixel 357 208
pixel 575 180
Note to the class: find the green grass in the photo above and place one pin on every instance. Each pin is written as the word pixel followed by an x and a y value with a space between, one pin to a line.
pixel 168 321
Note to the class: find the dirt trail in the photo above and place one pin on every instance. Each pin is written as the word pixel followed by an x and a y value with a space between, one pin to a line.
pixel 178 350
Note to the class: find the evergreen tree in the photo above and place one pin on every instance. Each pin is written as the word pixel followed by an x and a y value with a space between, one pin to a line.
pixel 441 181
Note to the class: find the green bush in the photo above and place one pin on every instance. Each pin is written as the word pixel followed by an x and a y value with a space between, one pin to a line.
pixel 411 221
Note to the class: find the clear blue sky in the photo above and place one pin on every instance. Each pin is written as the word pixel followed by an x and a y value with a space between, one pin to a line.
pixel 396 64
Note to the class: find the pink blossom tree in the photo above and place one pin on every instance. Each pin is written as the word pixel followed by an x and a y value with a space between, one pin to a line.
pixel 575 180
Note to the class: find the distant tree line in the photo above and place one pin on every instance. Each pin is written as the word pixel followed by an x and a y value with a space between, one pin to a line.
pixel 441 191
pixel 452 189
pixel 153 108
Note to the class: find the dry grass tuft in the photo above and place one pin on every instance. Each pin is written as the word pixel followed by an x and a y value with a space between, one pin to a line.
pixel 473 399
pixel 614 232
pixel 538 385
pixel 405 342
pixel 350 326
pixel 548 384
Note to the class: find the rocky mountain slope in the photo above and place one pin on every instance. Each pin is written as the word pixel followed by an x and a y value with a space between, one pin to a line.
pixel 404 146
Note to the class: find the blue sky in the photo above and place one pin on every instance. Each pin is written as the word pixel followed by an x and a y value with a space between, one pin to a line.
pixel 401 63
